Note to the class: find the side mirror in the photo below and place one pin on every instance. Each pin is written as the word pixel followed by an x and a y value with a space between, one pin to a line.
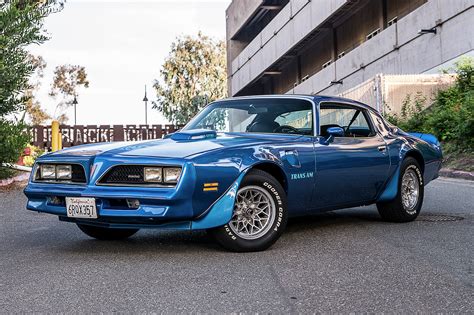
pixel 332 133
pixel 335 132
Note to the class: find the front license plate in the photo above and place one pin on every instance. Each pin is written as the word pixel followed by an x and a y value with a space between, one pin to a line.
pixel 81 207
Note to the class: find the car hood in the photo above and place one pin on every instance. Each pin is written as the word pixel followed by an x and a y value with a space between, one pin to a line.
pixel 169 148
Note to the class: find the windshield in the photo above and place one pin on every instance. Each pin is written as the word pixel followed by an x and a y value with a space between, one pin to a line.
pixel 288 116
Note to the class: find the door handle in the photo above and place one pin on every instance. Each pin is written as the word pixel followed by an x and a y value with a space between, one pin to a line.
pixel 382 148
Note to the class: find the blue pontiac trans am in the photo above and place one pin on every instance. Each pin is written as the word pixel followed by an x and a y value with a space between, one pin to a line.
pixel 239 170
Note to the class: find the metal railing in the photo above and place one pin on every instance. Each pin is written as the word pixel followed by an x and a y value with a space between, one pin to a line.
pixel 82 134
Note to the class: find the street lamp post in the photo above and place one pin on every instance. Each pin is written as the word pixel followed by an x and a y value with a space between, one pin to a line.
pixel 74 102
pixel 145 99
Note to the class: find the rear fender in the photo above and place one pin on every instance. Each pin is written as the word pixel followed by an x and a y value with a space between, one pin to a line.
pixel 391 189
pixel 428 137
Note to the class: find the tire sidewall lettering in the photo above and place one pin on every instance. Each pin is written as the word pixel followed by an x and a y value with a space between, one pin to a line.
pixel 279 215
pixel 417 171
pixel 279 211
pixel 229 232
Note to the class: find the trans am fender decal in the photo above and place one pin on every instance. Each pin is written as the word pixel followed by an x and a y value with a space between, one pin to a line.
pixel 302 175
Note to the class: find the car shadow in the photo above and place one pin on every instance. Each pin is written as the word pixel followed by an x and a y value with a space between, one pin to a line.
pixel 333 218
pixel 148 240
pixel 159 241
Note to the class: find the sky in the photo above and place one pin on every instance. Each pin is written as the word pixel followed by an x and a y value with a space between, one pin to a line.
pixel 122 44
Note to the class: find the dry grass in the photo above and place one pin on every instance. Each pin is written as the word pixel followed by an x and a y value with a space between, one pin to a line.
pixel 459 161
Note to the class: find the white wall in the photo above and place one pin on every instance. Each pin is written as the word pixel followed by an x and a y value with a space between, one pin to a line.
pixel 296 20
pixel 399 49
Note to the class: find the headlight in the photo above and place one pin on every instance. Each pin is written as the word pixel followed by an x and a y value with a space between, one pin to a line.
pixel 63 172
pixel 60 173
pixel 153 174
pixel 171 175
pixel 47 171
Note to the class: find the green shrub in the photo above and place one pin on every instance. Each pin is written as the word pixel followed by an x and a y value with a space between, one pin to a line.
pixel 13 139
pixel 450 117
pixel 412 115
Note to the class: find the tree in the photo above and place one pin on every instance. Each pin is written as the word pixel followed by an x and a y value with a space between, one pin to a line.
pixel 32 105
pixel 193 75
pixel 67 80
pixel 21 24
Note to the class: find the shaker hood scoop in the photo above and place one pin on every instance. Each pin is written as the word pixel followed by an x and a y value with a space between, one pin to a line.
pixel 196 134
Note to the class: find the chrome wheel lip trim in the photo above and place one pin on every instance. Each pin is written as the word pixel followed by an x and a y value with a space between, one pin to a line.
pixel 410 191
pixel 238 210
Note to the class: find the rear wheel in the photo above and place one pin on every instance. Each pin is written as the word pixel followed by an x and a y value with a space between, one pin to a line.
pixel 102 233
pixel 259 217
pixel 407 205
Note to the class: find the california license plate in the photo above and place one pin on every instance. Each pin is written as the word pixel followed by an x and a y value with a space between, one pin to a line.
pixel 79 207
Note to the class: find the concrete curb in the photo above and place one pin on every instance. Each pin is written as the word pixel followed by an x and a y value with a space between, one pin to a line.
pixel 447 172
pixel 18 178
pixel 18 167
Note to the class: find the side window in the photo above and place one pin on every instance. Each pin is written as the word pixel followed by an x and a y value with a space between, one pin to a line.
pixel 379 123
pixel 353 120
pixel 297 119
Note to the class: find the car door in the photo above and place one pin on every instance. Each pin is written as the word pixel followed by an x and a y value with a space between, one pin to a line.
pixel 351 169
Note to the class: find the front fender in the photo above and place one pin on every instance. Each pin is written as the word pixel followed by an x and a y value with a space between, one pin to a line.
pixel 231 163
pixel 221 211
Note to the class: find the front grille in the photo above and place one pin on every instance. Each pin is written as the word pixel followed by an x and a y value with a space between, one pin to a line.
pixel 131 175
pixel 124 174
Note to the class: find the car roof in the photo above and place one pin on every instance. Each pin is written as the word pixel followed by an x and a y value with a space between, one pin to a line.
pixel 314 98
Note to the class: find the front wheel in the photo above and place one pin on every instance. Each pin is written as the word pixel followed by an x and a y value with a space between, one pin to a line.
pixel 260 215
pixel 407 204
pixel 102 233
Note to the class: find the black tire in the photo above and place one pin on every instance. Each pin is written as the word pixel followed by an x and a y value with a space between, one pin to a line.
pixel 269 187
pixel 395 210
pixel 106 234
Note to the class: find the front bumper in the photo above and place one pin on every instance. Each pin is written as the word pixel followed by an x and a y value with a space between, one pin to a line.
pixel 159 207
pixel 154 203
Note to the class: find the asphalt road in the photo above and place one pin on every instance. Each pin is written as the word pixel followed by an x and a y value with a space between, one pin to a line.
pixel 346 261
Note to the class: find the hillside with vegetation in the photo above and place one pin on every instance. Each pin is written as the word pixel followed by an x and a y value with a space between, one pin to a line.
pixel 450 117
